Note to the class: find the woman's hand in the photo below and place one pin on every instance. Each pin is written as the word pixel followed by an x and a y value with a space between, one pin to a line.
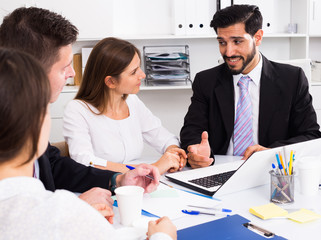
pixel 164 225
pixel 181 153
pixel 169 162
pixel 105 210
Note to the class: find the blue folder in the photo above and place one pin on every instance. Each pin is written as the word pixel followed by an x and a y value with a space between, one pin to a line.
pixel 231 227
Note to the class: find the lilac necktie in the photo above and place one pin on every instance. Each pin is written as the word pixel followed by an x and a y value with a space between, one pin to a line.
pixel 243 132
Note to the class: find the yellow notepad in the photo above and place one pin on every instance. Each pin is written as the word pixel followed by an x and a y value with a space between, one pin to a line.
pixel 303 216
pixel 268 211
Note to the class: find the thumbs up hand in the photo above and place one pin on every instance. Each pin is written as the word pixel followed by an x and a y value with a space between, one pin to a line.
pixel 199 154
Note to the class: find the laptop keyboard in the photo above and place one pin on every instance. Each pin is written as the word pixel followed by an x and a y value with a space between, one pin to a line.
pixel 213 180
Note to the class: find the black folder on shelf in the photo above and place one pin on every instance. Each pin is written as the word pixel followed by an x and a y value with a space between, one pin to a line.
pixel 231 227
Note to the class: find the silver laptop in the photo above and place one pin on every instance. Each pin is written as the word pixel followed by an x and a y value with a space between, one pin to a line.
pixel 229 177
pixel 239 175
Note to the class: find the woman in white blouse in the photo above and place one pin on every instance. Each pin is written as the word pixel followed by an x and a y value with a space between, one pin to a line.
pixel 107 124
pixel 27 209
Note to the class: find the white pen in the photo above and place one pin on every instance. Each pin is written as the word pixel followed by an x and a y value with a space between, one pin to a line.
pixel 212 208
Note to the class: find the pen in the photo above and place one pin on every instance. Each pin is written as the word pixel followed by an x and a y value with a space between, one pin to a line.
pixel 281 168
pixel 290 164
pixel 212 208
pixel 191 212
pixel 284 167
pixel 278 159
pixel 148 176
pixel 274 168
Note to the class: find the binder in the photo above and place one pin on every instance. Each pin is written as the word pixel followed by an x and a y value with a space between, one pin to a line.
pixel 191 17
pixel 179 20
pixel 231 227
pixel 203 17
pixel 78 69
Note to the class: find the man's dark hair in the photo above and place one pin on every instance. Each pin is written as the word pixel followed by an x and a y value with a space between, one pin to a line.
pixel 250 15
pixel 38 32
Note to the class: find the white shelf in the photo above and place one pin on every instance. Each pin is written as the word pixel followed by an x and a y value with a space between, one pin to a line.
pixel 73 89
pixel 151 37
pixel 171 37
pixel 285 35
pixel 166 87
pixel 315 83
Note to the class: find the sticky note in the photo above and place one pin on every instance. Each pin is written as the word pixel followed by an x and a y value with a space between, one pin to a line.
pixel 303 216
pixel 268 211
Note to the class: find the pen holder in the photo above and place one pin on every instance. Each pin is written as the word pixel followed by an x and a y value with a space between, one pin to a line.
pixel 282 188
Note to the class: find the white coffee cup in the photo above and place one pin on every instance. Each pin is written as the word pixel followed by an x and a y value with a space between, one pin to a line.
pixel 130 200
pixel 309 175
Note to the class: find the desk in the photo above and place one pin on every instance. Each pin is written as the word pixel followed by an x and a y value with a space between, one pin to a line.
pixel 241 202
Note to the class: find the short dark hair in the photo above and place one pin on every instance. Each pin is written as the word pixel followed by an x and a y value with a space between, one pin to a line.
pixel 24 94
pixel 250 15
pixel 38 32
pixel 110 57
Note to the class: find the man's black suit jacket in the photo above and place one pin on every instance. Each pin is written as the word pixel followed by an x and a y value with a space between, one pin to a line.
pixel 58 172
pixel 286 114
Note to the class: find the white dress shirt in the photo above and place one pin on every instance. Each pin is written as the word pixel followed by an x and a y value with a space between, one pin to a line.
pixel 29 211
pixel 97 139
pixel 254 89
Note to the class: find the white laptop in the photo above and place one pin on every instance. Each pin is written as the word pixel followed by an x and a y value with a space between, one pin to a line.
pixel 243 174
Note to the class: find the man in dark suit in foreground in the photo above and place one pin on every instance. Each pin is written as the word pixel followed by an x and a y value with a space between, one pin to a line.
pixel 232 116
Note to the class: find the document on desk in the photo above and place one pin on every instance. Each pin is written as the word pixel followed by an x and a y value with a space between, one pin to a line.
pixel 170 202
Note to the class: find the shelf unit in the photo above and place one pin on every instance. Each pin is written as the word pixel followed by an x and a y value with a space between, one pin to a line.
pixel 101 18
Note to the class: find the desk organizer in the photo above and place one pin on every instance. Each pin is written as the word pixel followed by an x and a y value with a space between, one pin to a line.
pixel 168 64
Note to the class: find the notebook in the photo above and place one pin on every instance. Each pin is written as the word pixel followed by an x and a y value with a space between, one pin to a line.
pixel 228 177
pixel 240 175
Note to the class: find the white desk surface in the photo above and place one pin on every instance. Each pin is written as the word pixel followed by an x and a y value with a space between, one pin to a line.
pixel 241 202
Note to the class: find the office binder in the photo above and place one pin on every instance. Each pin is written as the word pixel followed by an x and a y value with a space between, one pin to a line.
pixel 191 17
pixel 78 68
pixel 267 9
pixel 231 227
pixel 204 15
pixel 179 19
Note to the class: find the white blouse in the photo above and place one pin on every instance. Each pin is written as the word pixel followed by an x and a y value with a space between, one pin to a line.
pixel 96 139
pixel 29 211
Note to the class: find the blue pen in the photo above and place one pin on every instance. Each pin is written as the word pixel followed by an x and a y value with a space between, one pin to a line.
pixel 277 170
pixel 281 168
pixel 274 168
pixel 191 212
pixel 278 159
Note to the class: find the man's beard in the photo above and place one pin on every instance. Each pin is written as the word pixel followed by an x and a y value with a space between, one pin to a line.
pixel 245 63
